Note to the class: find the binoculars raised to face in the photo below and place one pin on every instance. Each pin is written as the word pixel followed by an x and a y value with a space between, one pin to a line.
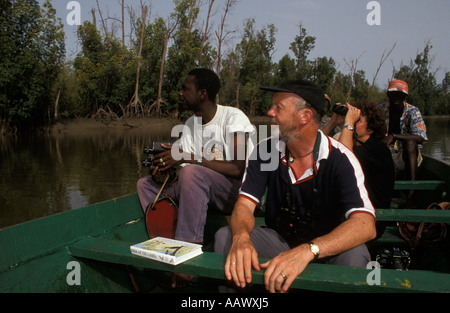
pixel 340 109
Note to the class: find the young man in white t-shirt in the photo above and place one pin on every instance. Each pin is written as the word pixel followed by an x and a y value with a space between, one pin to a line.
pixel 212 153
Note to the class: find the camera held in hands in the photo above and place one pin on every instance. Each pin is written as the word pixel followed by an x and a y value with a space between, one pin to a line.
pixel 340 109
pixel 154 151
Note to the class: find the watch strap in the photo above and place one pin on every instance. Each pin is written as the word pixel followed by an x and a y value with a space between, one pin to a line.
pixel 314 249
pixel 349 127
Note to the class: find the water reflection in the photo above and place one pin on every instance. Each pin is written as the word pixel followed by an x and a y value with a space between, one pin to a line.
pixel 43 175
pixel 438 131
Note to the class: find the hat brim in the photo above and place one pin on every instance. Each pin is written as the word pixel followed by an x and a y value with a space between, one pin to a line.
pixel 307 90
pixel 276 89
pixel 397 89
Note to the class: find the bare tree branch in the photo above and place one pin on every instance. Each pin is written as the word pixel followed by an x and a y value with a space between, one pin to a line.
pixel 135 101
pixel 206 32
pixel 105 28
pixel 383 59
pixel 353 65
pixel 221 35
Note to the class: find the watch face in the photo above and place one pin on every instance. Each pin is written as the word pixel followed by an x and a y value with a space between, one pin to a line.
pixel 314 249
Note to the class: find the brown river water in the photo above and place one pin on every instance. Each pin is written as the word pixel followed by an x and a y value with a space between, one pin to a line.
pixel 46 174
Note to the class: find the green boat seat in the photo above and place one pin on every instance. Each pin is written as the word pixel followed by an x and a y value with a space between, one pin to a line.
pixel 413 215
pixel 420 185
pixel 316 277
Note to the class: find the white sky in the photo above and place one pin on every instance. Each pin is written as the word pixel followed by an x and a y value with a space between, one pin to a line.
pixel 340 28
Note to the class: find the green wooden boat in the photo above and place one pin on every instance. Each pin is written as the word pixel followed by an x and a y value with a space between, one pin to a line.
pixel 87 251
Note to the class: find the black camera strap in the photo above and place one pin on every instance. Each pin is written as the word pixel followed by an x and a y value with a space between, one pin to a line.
pixel 284 174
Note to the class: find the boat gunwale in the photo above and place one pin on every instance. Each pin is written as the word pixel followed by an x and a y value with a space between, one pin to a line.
pixel 22 243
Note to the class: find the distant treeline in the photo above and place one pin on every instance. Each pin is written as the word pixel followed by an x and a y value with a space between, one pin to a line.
pixel 139 73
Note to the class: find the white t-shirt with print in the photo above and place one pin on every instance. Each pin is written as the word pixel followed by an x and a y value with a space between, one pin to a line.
pixel 215 140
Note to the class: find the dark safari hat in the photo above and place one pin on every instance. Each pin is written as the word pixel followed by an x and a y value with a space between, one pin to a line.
pixel 311 92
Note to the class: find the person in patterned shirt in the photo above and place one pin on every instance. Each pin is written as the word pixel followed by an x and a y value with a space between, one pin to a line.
pixel 406 129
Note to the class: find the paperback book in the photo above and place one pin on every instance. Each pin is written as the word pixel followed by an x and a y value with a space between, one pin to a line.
pixel 167 250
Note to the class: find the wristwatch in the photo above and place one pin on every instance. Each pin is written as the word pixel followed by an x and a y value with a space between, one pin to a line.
pixel 314 249
pixel 349 127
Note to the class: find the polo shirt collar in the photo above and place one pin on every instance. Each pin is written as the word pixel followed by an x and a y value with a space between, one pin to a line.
pixel 324 152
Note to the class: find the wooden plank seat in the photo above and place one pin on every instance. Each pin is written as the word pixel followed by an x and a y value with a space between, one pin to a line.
pixel 317 277
pixel 420 185
pixel 413 215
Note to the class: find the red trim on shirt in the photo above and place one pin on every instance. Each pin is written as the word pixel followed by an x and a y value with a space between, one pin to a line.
pixel 244 196
pixel 307 178
pixel 356 212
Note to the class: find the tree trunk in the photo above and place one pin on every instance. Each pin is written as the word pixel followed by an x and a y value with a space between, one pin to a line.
pixel 205 35
pixel 155 107
pixel 105 28
pixel 57 104
pixel 247 51
pixel 221 36
pixel 123 26
pixel 135 102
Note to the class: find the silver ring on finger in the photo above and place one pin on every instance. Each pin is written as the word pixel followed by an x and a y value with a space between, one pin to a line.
pixel 284 276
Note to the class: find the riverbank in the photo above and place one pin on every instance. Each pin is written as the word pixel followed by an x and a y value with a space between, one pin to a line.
pixel 88 125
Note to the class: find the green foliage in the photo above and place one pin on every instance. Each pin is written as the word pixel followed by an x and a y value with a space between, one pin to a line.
pixel 324 71
pixel 443 102
pixel 107 75
pixel 31 57
pixel 301 47
pixel 424 92
pixel 151 59
pixel 248 67
pixel 69 102
pixel 104 73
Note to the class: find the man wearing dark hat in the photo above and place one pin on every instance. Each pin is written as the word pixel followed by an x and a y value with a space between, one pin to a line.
pixel 317 208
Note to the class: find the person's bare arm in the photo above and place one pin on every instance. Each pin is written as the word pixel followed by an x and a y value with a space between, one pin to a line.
pixel 335 120
pixel 242 256
pixel 358 229
pixel 352 116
